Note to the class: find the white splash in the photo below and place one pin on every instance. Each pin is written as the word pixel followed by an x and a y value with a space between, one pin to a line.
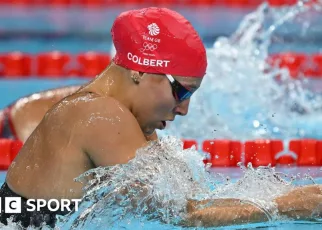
pixel 157 184
pixel 240 98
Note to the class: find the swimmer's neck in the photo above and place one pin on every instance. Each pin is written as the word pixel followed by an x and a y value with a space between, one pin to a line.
pixel 115 82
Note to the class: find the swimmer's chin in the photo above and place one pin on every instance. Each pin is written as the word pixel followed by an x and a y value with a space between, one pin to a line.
pixel 151 136
pixel 148 133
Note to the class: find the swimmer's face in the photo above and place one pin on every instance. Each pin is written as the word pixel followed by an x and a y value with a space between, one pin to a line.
pixel 158 102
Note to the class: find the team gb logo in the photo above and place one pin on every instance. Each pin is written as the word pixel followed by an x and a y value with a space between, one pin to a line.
pixel 153 29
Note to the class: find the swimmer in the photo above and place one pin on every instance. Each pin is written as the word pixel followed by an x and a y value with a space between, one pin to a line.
pixel 160 62
pixel 19 119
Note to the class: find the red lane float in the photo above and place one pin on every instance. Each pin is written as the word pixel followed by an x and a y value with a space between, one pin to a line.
pixel 279 3
pixel 126 2
pixel 162 2
pixel 93 3
pixel 57 2
pixel 57 64
pixel 92 63
pixel 19 2
pixel 52 64
pixel 292 61
pixel 15 64
pixel 298 65
pixel 313 66
pixel 8 151
pixel 106 3
pixel 227 153
pixel 319 152
pixel 309 152
pixel 187 144
pixel 243 3
pixel 5 157
pixel 259 153
pixel 236 151
pixel 202 2
pixel 223 153
pixel 37 2
pixel 284 158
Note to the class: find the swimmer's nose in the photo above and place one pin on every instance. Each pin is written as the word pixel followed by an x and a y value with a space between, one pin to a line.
pixel 182 108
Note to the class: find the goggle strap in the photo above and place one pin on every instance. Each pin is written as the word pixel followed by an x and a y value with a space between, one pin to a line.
pixel 171 79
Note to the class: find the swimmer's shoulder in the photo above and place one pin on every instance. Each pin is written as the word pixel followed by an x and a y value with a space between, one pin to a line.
pixel 88 103
pixel 104 128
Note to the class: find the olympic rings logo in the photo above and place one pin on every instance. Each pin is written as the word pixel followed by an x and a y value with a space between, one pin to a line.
pixel 148 46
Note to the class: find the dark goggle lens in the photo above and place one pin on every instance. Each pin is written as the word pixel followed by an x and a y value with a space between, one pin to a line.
pixel 181 93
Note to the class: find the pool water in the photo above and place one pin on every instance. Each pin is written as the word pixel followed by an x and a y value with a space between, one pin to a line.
pixel 235 174
pixel 2 176
pixel 228 57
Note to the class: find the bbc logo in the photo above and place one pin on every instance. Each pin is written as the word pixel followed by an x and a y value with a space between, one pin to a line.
pixel 12 205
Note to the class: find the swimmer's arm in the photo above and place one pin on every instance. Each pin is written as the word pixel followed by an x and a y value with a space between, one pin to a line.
pixel 304 203
pixel 222 212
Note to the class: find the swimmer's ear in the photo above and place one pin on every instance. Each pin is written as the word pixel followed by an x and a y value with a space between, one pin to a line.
pixel 136 76
pixel 141 74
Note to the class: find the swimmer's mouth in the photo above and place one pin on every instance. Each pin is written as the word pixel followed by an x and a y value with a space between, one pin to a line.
pixel 164 123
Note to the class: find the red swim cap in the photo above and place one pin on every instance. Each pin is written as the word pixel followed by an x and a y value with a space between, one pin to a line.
pixel 160 41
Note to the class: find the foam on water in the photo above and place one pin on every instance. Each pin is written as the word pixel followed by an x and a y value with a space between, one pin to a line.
pixel 157 184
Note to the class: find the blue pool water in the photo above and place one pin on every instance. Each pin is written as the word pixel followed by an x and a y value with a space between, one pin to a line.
pixel 2 176
pixel 234 174
pixel 44 30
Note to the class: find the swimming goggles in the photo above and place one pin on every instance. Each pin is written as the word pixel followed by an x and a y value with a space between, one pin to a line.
pixel 179 92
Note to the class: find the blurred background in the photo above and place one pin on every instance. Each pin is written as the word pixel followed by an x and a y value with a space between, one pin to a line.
pixel 52 43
